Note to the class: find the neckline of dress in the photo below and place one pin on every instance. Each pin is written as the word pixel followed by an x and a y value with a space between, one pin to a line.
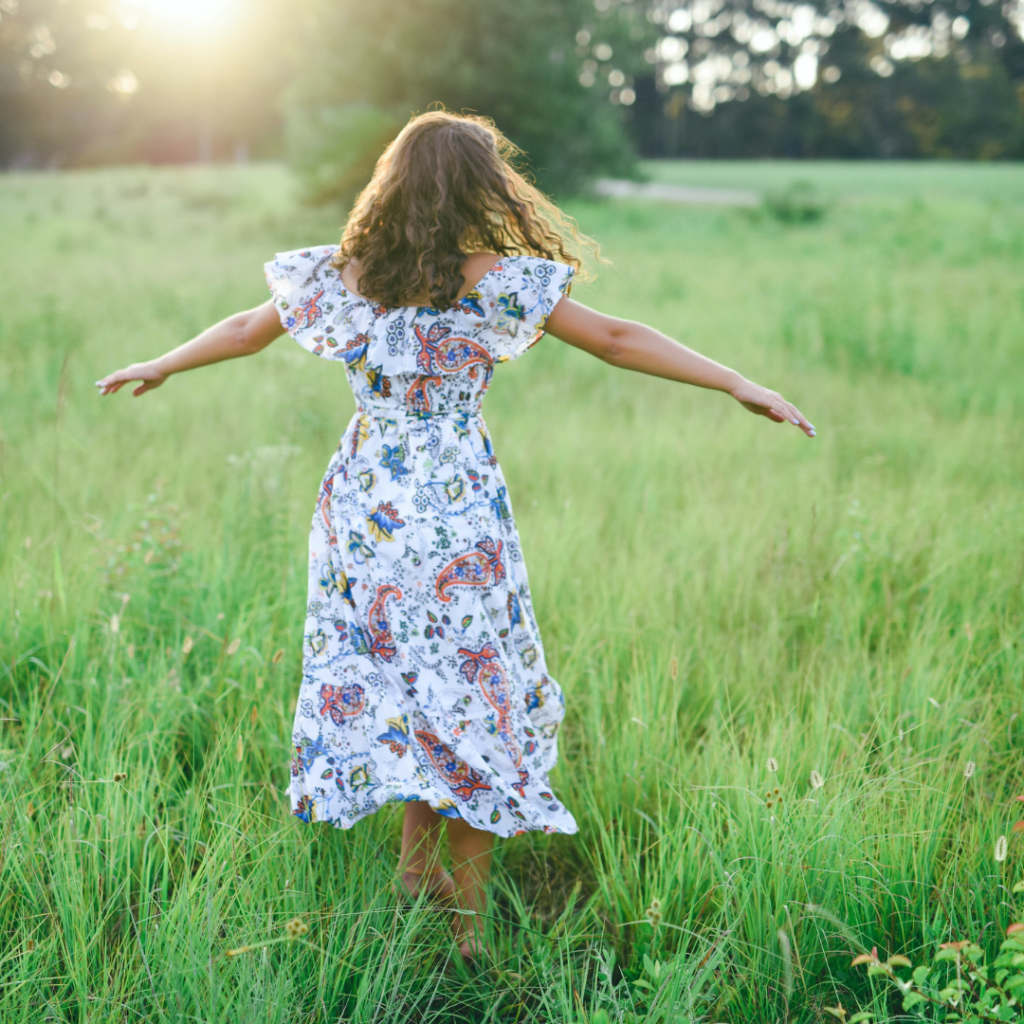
pixel 419 305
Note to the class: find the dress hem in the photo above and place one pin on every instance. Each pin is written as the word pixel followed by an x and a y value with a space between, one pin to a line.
pixel 522 827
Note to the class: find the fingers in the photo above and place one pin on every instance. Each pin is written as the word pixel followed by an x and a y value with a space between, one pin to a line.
pixel 797 417
pixel 764 410
pixel 113 382
pixel 788 411
pixel 773 406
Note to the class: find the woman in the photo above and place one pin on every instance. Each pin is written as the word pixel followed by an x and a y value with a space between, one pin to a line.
pixel 424 678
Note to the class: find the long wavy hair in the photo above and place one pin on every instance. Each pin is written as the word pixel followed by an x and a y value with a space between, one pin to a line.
pixel 446 187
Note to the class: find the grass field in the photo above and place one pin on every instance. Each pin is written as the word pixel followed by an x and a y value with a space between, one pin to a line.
pixel 714 592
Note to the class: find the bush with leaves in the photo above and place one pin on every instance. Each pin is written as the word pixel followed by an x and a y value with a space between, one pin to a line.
pixel 959 987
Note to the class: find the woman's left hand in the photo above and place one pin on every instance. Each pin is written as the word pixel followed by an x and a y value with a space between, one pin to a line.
pixel 149 373
pixel 771 404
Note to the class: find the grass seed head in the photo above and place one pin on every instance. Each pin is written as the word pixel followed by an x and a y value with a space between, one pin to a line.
pixel 816 780
pixel 115 623
pixel 278 655
pixel 773 765
pixel 233 646
pixel 120 776
pixel 969 769
pixel 186 647
pixel 673 670
pixel 296 928
pixel 1000 851
pixel 653 912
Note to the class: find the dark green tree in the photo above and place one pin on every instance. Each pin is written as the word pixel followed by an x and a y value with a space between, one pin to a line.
pixel 366 67
pixel 843 78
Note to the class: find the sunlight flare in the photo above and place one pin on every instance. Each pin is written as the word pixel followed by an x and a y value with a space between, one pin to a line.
pixel 193 14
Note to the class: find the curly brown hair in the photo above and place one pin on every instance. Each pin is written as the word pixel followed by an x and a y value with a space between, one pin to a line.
pixel 446 187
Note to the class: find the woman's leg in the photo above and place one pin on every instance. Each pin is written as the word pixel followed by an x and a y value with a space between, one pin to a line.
pixel 419 863
pixel 471 865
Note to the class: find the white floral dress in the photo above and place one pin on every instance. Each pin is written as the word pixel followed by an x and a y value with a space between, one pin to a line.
pixel 423 671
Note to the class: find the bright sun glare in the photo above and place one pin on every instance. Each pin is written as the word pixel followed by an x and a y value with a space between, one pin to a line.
pixel 189 13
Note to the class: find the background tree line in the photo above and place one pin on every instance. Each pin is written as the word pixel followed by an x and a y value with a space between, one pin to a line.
pixel 583 86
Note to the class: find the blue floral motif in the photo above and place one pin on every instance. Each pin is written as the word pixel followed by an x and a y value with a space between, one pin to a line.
pixel 392 459
pixel 395 337
pixel 383 521
pixel 310 750
pixel 498 506
pixel 545 272
pixel 460 423
pixel 358 548
pixel 511 314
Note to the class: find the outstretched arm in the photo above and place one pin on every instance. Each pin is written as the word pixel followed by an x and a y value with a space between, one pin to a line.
pixel 634 346
pixel 243 334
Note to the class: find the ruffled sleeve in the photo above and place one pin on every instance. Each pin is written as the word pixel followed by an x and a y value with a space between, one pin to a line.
pixel 523 291
pixel 310 299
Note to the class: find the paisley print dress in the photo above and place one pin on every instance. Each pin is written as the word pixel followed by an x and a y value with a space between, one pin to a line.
pixel 423 671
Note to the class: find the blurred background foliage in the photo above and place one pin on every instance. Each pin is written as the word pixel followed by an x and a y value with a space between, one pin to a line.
pixel 514 61
pixel 583 86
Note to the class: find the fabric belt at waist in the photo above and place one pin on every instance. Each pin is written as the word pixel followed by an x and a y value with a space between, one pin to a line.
pixel 390 412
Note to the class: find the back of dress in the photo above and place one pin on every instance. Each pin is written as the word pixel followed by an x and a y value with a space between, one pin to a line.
pixel 415 359
pixel 424 673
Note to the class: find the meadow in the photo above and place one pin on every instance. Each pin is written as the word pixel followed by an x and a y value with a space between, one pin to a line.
pixel 793 667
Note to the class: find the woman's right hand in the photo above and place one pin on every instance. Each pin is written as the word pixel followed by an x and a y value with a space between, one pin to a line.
pixel 243 334
pixel 149 373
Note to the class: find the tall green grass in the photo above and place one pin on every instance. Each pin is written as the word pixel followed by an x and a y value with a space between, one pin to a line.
pixel 714 592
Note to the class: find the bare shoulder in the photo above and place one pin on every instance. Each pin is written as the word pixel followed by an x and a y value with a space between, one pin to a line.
pixel 476 266
pixel 350 276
